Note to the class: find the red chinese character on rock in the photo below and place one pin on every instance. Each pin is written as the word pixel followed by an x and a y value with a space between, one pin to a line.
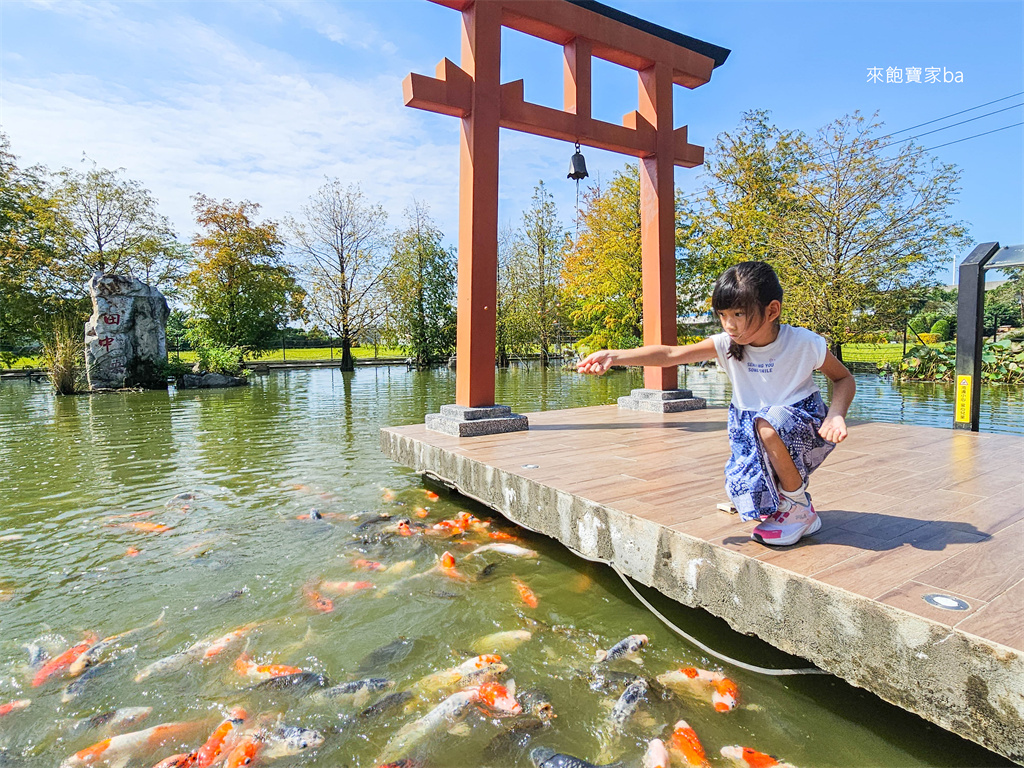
pixel 105 343
pixel 112 319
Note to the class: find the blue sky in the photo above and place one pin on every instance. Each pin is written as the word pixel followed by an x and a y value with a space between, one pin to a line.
pixel 262 100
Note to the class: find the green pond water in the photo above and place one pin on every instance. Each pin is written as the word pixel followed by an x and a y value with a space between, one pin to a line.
pixel 256 459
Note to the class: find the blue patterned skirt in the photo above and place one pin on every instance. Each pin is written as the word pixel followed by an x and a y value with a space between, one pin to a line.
pixel 749 478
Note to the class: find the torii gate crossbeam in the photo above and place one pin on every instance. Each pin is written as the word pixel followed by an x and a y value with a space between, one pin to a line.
pixel 473 92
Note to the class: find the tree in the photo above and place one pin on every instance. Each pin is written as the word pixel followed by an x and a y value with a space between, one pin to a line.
pixel 241 291
pixel 854 232
pixel 342 238
pixel 101 221
pixel 420 287
pixel 537 257
pixel 602 270
pixel 869 226
pixel 513 323
pixel 752 178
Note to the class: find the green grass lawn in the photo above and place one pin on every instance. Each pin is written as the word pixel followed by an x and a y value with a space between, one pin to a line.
pixel 873 353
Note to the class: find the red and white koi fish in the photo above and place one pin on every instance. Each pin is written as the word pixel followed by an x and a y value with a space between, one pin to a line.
pixel 118 751
pixel 513 550
pixel 346 587
pixel 244 665
pixel 526 594
pixel 745 757
pixel 724 692
pixel 685 746
pixel 656 755
pixel 624 649
pixel 476 669
pixel 204 650
pixel 14 706
pixel 92 655
pixel 272 742
pixel 499 698
pixel 60 663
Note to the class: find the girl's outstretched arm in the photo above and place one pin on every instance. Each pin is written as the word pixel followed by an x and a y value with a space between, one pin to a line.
pixel 653 354
pixel 833 427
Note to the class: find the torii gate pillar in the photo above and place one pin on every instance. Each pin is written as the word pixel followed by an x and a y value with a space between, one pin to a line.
pixel 474 93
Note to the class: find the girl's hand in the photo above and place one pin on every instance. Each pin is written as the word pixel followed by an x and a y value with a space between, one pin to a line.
pixel 596 362
pixel 833 428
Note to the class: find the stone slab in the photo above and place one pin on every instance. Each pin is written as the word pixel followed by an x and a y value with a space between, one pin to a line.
pixel 465 413
pixel 476 425
pixel 661 401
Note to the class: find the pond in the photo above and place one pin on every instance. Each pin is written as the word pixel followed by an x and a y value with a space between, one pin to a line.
pixel 197 505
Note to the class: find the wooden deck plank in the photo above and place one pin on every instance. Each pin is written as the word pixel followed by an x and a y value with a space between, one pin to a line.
pixel 1001 620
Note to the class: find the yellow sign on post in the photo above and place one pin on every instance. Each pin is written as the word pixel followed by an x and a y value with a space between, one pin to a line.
pixel 963 398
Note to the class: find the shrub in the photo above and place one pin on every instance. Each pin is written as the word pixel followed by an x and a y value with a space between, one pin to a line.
pixel 64 353
pixel 930 338
pixel 941 329
pixel 214 358
pixel 920 324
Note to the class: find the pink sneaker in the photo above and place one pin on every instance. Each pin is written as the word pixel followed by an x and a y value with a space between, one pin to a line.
pixel 790 523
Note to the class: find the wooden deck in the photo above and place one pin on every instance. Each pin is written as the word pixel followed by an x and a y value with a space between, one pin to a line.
pixel 907 511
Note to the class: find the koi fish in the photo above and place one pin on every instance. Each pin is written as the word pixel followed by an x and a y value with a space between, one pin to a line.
pixel 656 755
pixel 581 583
pixel 111 722
pixel 368 565
pixel 405 762
pixel 66 659
pixel 387 494
pixel 487 665
pixel 525 593
pixel 537 703
pixel 291 740
pixel 401 566
pixel 117 751
pixel 346 587
pixel 501 642
pixel 431 496
pixel 245 752
pixel 725 693
pixel 499 698
pixel 14 706
pixel 502 536
pixel 204 650
pixel 94 652
pixel 626 648
pixel 545 757
pixel 130 552
pixel 446 566
pixel 78 685
pixel 218 745
pixel 318 601
pixel 627 704
pixel 244 665
pixel 686 746
pixel 444 716
pixel 421 512
pixel 514 550
pixel 354 691
pixel 751 758
pixel 140 527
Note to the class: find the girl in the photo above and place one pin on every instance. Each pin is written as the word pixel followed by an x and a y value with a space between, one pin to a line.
pixel 779 429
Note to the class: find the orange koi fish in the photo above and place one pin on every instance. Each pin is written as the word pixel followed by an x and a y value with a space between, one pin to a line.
pixel 222 642
pixel 725 696
pixel 656 755
pixel 119 750
pixel 246 752
pixel 525 593
pixel 62 662
pixel 685 745
pixel 317 601
pixel 215 747
pixel 14 706
pixel 387 494
pixel 346 587
pixel 131 552
pixel 138 527
pixel 446 566
pixel 244 665
pixel 421 512
pixel 431 496
pixel 502 536
pixel 751 758
pixel 501 700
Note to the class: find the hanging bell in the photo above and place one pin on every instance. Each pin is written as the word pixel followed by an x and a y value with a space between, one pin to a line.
pixel 577 166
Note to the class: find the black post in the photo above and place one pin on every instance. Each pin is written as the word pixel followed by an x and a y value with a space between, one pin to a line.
pixel 970 324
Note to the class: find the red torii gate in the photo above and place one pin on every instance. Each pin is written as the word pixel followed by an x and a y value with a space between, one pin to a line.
pixel 473 92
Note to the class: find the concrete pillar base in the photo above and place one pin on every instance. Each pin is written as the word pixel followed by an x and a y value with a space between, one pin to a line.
pixel 662 400
pixel 460 421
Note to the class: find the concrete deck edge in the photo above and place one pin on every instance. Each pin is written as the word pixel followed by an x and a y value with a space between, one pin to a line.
pixel 963 683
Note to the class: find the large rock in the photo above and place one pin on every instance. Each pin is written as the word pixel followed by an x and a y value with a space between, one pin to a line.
pixel 126 336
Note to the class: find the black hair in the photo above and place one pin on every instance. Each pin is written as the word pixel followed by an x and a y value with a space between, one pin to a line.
pixel 750 286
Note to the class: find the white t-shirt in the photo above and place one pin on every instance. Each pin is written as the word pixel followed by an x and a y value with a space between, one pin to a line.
pixel 775 374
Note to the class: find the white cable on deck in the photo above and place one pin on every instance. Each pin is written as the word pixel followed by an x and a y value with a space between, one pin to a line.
pixel 721 656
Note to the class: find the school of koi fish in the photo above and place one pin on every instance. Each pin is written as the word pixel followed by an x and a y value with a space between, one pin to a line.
pixel 261 715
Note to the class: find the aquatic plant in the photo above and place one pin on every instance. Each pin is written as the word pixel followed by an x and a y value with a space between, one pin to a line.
pixel 64 353
pixel 1001 361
